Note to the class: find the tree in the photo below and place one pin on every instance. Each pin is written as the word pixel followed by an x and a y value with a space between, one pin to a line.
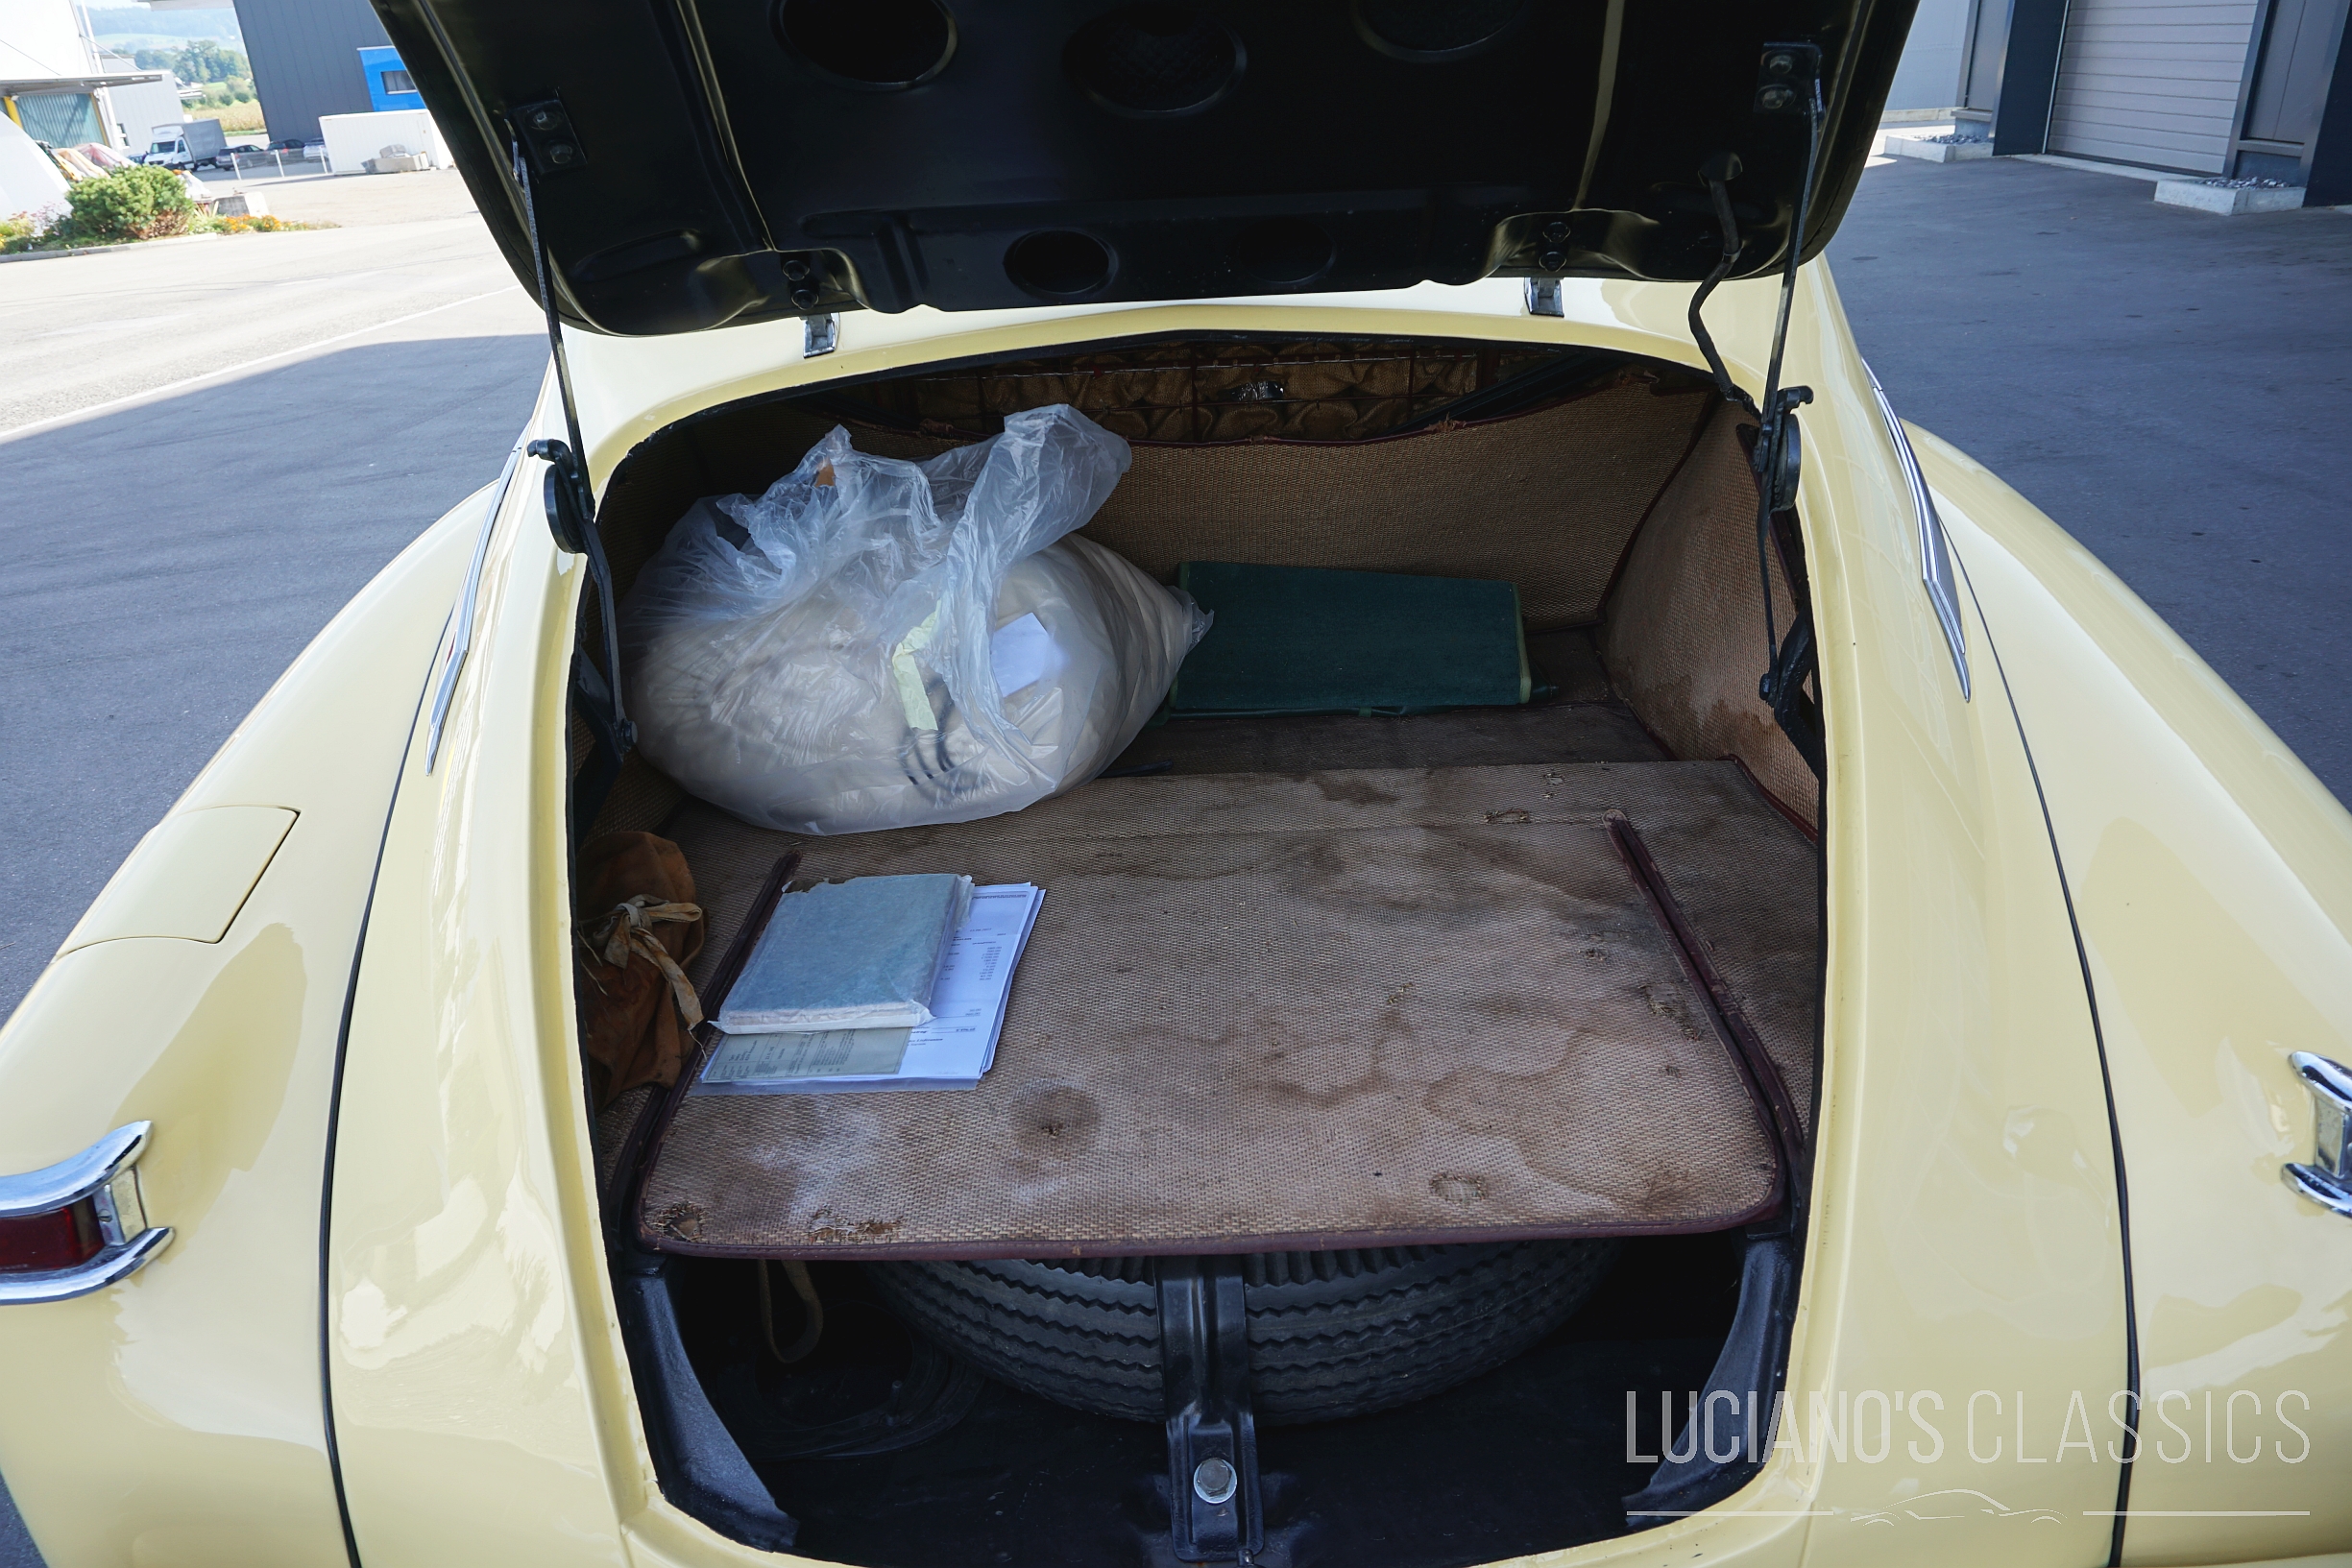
pixel 208 60
pixel 203 61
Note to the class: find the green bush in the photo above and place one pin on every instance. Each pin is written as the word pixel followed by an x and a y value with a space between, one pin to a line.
pixel 142 201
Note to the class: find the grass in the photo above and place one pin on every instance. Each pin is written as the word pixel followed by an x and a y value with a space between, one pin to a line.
pixel 237 117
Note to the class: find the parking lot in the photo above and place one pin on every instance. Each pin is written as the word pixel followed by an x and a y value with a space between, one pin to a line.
pixel 207 447
pixel 2172 387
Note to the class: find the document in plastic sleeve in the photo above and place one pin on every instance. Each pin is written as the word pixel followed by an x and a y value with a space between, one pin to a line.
pixel 951 1051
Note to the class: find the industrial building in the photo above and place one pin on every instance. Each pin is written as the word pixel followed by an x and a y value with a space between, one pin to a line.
pixel 307 58
pixel 2233 89
pixel 62 88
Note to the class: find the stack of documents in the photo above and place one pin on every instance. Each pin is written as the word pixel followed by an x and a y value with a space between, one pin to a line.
pixel 949 1052
pixel 859 955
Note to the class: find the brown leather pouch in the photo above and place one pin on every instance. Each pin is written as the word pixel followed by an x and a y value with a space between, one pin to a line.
pixel 637 928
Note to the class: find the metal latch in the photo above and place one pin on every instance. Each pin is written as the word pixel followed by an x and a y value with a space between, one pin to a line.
pixel 2327 1180
pixel 1789 79
pixel 546 129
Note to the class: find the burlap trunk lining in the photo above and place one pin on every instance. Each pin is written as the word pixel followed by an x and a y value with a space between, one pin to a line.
pixel 1545 501
pixel 1270 1012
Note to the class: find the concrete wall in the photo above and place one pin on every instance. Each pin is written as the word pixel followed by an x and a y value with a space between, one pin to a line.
pixel 43 38
pixel 1930 73
pixel 305 56
pixel 352 139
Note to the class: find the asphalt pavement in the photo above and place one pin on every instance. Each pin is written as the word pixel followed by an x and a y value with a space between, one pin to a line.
pixel 206 449
pixel 2173 388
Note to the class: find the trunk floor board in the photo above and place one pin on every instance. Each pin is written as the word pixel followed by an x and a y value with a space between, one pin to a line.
pixel 1264 1011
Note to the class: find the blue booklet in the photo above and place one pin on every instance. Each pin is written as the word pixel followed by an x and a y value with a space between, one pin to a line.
pixel 859 955
pixel 951 1051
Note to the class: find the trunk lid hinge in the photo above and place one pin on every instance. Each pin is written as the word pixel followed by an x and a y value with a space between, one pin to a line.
pixel 542 135
pixel 1213 1502
pixel 1788 81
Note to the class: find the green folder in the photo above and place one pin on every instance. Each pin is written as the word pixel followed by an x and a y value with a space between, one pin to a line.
pixel 1301 639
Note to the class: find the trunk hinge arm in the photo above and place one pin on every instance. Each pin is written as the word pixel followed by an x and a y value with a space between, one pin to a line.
pixel 1213 1502
pixel 571 504
pixel 1788 81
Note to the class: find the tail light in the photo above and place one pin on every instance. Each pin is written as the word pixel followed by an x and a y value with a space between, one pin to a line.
pixel 78 1226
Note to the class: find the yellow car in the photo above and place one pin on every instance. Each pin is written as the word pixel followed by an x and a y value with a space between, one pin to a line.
pixel 1843 1063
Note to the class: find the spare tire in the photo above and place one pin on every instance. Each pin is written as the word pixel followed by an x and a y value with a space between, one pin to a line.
pixel 1332 1333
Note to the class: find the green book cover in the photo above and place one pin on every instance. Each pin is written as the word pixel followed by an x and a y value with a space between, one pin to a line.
pixel 1303 639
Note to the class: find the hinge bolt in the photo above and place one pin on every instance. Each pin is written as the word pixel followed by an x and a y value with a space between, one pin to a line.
pixel 1214 1480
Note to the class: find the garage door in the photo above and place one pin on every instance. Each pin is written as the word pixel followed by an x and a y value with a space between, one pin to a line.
pixel 2151 83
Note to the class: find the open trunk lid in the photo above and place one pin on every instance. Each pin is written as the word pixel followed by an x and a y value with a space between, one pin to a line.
pixel 697 162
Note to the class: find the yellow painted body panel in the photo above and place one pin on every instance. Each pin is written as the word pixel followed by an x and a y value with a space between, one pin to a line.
pixel 188 876
pixel 1966 1232
pixel 1965 1241
pixel 474 1354
pixel 2212 875
pixel 175 1418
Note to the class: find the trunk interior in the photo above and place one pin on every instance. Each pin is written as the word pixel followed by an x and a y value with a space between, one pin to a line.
pixel 1525 994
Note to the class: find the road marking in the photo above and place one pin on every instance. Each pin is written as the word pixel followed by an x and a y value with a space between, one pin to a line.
pixel 14 431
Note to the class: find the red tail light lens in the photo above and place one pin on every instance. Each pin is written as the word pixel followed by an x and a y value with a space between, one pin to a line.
pixel 60 1238
pixel 77 1226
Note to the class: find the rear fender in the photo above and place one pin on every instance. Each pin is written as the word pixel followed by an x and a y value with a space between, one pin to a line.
pixel 175 1416
pixel 2211 878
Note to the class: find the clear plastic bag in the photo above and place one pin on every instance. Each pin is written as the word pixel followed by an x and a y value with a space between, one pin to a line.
pixel 825 659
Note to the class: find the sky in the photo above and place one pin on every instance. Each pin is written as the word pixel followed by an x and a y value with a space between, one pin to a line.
pixel 120 25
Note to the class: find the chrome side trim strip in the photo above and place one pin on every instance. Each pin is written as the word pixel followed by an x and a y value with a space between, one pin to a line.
pixel 114 1263
pixel 2324 1077
pixel 2327 1180
pixel 2331 1195
pixel 71 1180
pixel 461 618
pixel 1934 554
